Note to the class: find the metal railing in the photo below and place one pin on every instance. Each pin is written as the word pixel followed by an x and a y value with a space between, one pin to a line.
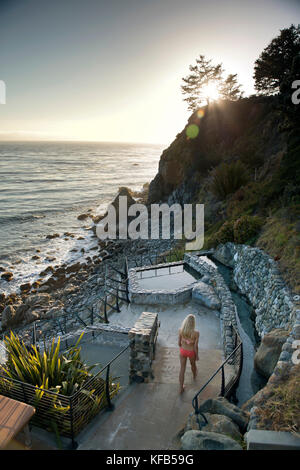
pixel 117 289
pixel 68 415
pixel 228 373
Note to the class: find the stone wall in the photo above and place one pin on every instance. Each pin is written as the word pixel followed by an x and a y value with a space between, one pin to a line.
pixel 142 347
pixel 258 278
pixel 228 313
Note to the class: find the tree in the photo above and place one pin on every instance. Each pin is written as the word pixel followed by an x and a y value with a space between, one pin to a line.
pixel 275 63
pixel 202 74
pixel 230 89
pixel 207 80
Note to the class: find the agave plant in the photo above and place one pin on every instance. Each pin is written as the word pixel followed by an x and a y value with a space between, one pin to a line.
pixel 55 375
pixel 52 370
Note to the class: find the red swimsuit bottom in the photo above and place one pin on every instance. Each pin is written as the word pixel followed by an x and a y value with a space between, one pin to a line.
pixel 187 353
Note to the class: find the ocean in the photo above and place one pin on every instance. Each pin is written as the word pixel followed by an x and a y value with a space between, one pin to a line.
pixel 45 186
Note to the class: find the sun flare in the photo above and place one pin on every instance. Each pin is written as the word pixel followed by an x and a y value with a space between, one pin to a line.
pixel 210 92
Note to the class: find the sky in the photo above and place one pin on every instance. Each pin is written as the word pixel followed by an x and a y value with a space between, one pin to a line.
pixel 98 70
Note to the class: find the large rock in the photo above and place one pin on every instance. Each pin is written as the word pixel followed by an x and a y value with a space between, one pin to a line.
pixel 269 351
pixel 205 295
pixel 7 276
pixel 201 440
pixel 221 406
pixel 126 204
pixel 224 254
pixel 8 317
pixel 216 423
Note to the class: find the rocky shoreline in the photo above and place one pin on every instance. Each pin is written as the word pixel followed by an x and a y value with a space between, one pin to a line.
pixel 75 287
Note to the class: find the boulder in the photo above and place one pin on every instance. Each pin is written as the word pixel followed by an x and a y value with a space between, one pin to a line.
pixel 83 216
pixel 268 353
pixel 205 295
pixel 201 440
pixel 224 254
pixel 216 423
pixel 8 317
pixel 221 406
pixel 38 300
pixel 221 424
pixel 25 287
pixel 7 276
pixel 51 236
pixel 31 316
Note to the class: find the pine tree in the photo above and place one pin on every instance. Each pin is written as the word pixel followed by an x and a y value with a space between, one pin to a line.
pixel 230 89
pixel 274 64
pixel 202 73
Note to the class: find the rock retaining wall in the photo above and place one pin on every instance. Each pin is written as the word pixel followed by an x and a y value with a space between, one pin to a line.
pixel 257 277
pixel 228 314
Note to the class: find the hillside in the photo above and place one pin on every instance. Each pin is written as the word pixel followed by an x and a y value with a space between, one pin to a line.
pixel 242 160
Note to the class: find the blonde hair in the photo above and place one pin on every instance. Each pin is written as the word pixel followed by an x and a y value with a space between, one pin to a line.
pixel 187 329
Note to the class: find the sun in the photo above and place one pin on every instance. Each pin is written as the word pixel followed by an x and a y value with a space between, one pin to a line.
pixel 210 92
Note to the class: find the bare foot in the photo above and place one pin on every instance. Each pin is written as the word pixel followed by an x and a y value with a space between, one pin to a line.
pixel 182 390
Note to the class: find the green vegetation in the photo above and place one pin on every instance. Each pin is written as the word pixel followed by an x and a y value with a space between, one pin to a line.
pixel 242 230
pixel 246 228
pixel 59 377
pixel 63 373
pixel 281 411
pixel 227 178
pixel 275 63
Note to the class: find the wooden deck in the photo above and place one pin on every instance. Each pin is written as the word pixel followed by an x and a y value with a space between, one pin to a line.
pixel 14 417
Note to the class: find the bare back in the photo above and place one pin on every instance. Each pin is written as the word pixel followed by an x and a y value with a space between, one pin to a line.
pixel 188 343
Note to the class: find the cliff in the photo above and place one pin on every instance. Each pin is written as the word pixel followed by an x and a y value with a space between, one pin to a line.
pixel 242 160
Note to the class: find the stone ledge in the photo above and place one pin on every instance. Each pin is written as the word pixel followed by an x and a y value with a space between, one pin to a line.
pixel 271 440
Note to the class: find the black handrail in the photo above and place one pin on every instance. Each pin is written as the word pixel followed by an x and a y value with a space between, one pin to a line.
pixel 225 391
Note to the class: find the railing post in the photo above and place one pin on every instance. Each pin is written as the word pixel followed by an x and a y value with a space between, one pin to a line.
pixel 223 382
pixel 117 300
pixel 105 310
pixel 110 406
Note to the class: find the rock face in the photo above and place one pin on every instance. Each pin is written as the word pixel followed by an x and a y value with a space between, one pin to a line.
pixel 188 160
pixel 201 440
pixel 269 351
pixel 205 295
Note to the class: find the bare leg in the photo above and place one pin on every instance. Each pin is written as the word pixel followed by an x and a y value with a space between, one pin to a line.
pixel 193 366
pixel 182 372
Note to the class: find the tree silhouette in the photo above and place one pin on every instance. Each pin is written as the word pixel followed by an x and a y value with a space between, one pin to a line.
pixel 275 63
pixel 230 89
pixel 203 76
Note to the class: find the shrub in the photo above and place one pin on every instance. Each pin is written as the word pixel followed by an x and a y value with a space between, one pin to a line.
pixel 228 178
pixel 225 233
pixel 60 373
pixel 246 227
pixel 51 369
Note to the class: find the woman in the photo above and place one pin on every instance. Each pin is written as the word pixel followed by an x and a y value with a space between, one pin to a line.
pixel 188 343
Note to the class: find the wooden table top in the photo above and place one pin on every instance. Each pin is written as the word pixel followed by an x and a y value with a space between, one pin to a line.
pixel 14 415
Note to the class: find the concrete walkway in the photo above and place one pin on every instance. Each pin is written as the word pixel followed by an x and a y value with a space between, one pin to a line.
pixel 150 415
